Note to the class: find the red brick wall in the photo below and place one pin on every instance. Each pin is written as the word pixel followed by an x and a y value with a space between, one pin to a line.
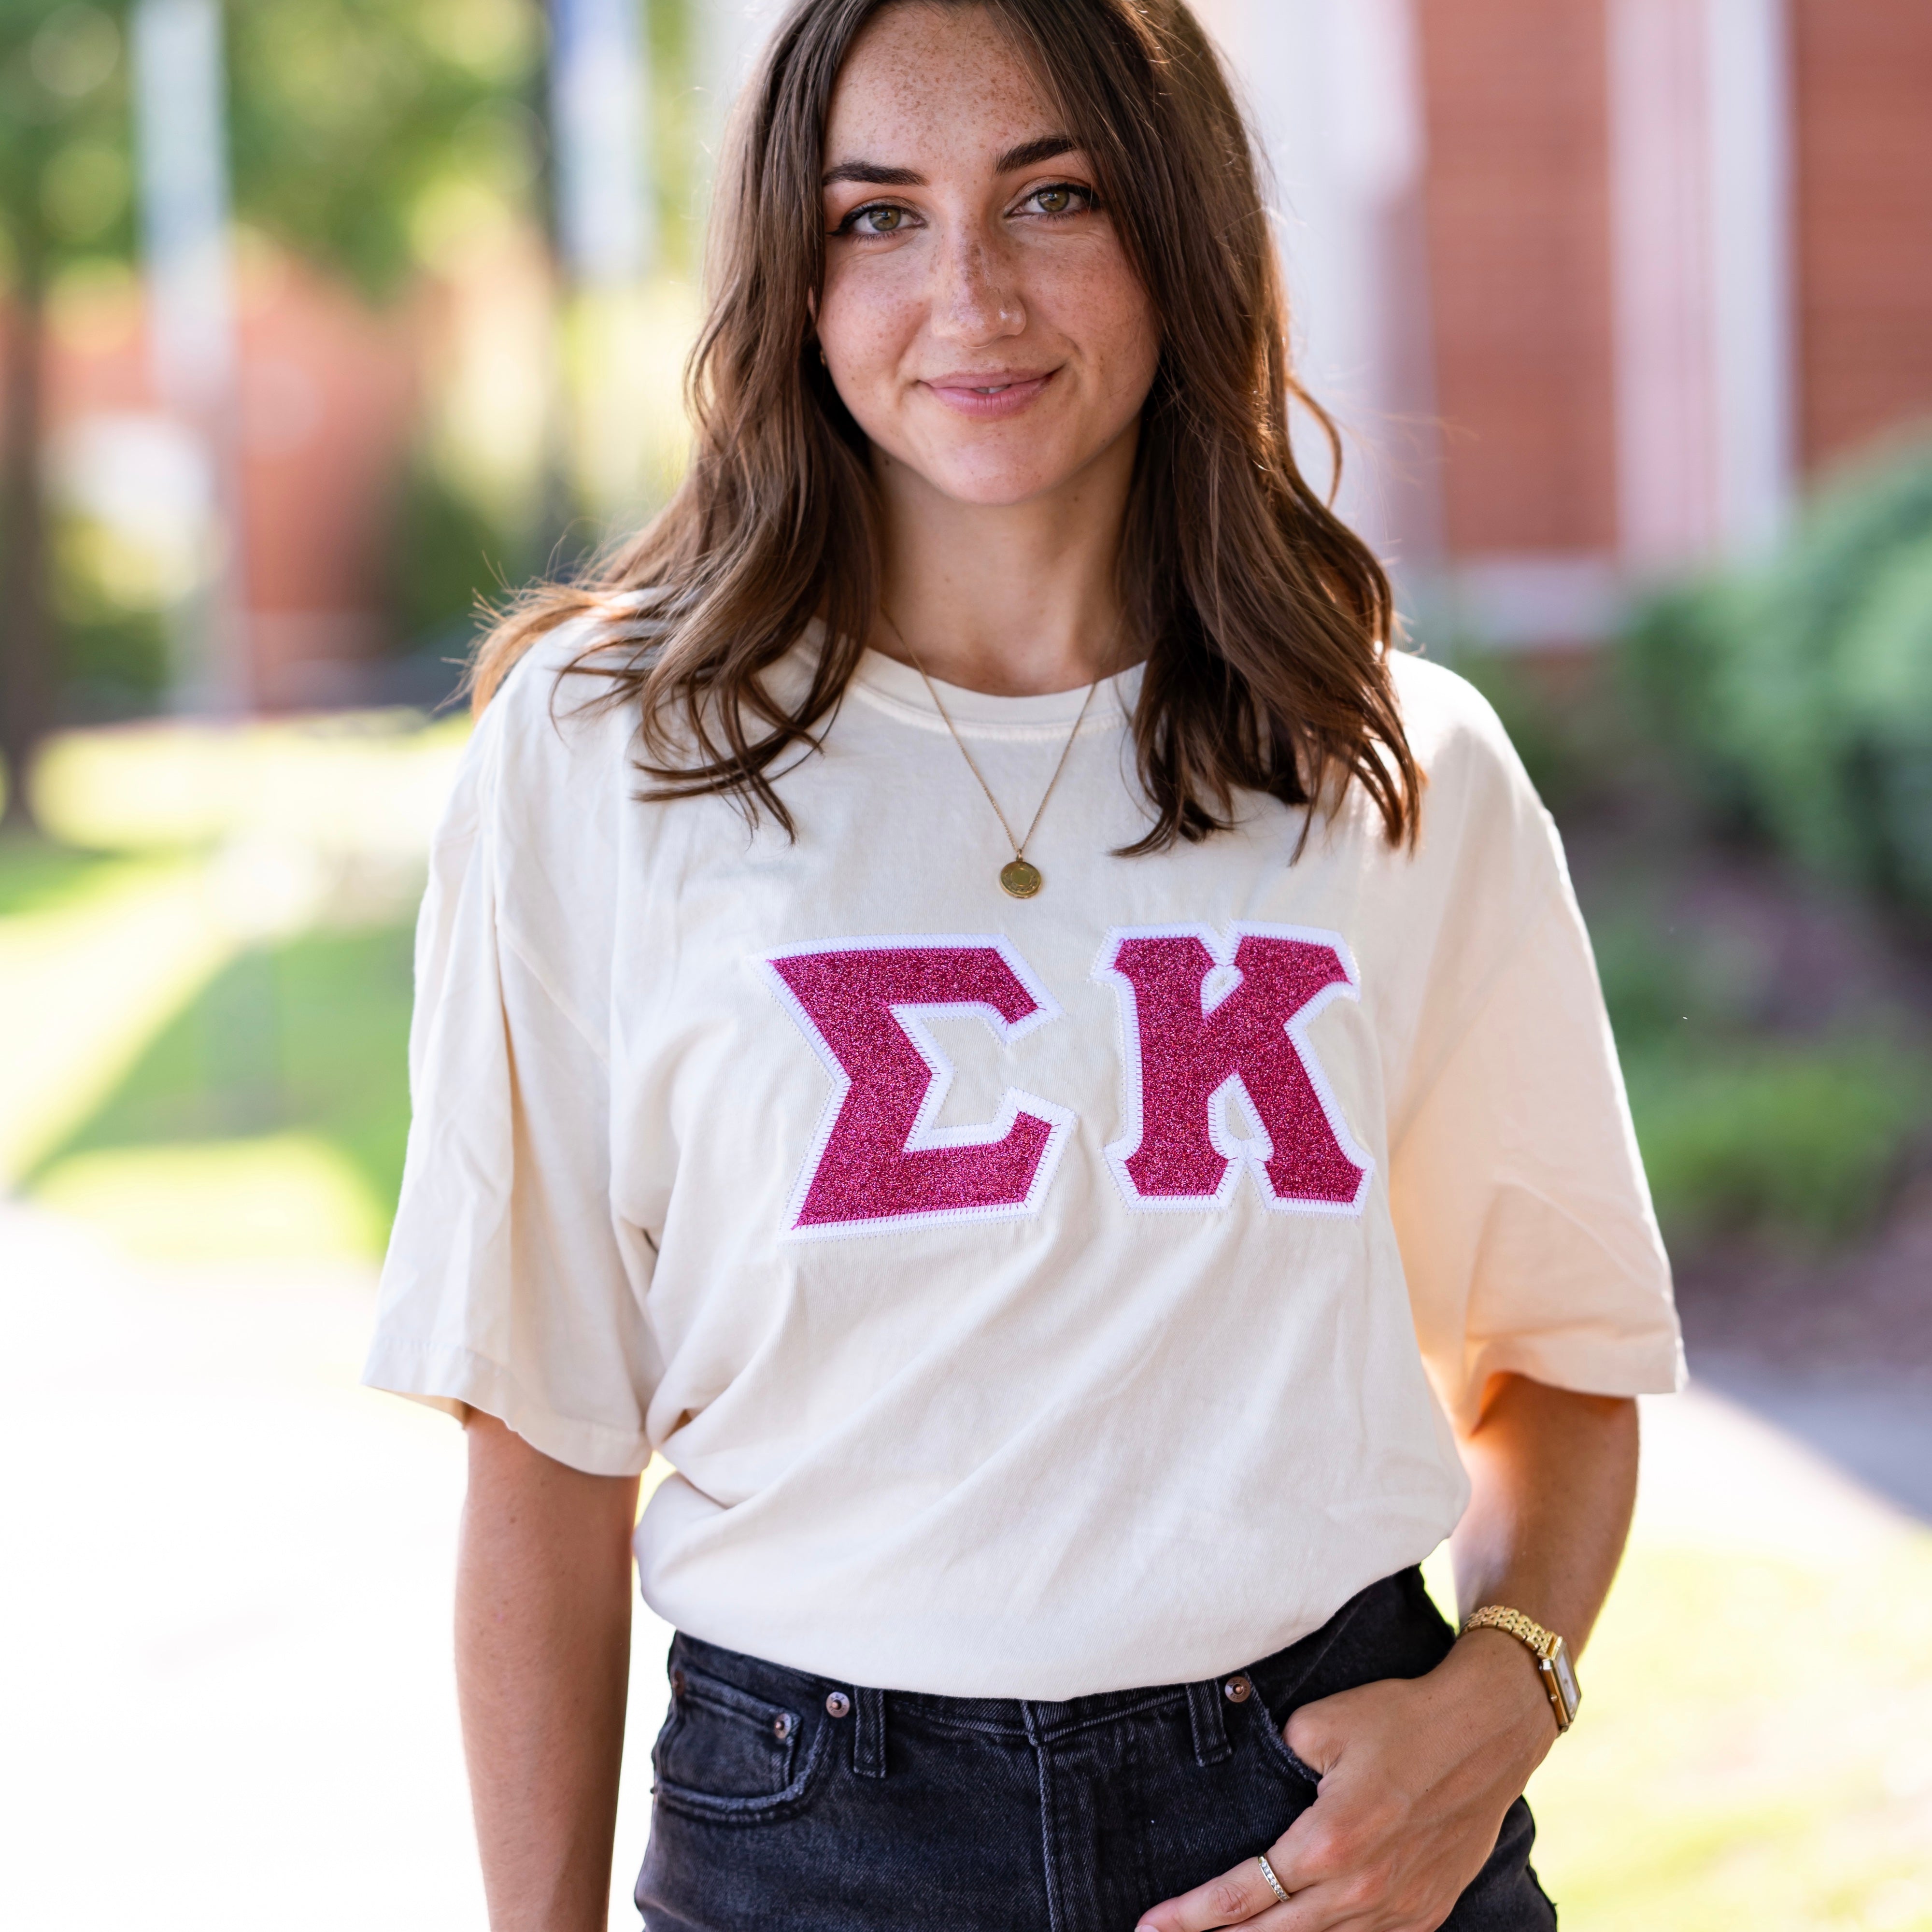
pixel 1863 80
pixel 327 396
pixel 327 391
pixel 1518 199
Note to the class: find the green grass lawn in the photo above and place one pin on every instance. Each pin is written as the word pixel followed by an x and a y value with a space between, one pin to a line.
pixel 1755 1750
pixel 268 1117
pixel 37 875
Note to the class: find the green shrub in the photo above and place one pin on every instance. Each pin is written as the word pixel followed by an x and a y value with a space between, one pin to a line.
pixel 1549 739
pixel 1786 1137
pixel 1669 988
pixel 1743 1132
pixel 1799 694
pixel 448 558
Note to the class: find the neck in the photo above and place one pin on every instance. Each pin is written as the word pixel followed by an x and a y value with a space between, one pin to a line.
pixel 1015 600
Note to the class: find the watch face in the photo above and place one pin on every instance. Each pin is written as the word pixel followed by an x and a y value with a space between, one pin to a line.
pixel 1566 1679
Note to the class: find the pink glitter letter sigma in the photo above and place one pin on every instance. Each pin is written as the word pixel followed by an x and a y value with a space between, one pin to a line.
pixel 1203 1021
pixel 878 1162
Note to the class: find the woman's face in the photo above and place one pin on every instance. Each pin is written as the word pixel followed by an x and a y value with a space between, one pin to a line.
pixel 978 316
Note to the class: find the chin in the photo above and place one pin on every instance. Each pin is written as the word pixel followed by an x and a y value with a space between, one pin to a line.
pixel 986 494
pixel 999 485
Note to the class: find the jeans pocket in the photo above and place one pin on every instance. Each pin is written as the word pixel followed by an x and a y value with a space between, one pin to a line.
pixel 725 1753
pixel 1275 1745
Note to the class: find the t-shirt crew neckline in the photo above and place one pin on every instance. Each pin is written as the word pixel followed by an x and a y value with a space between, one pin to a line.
pixel 899 690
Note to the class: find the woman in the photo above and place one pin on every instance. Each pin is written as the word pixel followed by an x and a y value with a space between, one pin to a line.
pixel 969 999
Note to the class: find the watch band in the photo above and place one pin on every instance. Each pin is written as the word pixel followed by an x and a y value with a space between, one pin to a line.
pixel 1495 1616
pixel 1552 1659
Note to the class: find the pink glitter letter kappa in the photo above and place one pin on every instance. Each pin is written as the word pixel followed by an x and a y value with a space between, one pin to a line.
pixel 1189 1044
pixel 878 1162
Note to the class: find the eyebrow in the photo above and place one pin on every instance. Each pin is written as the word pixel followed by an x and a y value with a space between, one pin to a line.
pixel 876 174
pixel 1030 154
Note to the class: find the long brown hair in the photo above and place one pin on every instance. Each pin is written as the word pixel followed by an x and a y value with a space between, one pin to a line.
pixel 1265 620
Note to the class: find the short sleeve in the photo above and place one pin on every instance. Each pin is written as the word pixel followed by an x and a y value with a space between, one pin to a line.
pixel 509 1286
pixel 1519 1197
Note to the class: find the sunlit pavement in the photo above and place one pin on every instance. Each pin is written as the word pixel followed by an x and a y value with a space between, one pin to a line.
pixel 230 1702
pixel 1874 1422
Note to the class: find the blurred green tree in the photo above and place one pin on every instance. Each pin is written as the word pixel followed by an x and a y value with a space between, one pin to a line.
pixel 348 116
pixel 364 133
pixel 64 194
pixel 347 119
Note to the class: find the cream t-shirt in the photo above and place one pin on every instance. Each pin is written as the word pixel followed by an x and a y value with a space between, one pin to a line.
pixel 1033 1298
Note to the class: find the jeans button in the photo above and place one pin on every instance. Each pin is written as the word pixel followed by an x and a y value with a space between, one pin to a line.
pixel 838 1704
pixel 1238 1690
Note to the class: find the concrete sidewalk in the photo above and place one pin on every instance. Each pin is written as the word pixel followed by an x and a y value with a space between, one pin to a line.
pixel 228 1618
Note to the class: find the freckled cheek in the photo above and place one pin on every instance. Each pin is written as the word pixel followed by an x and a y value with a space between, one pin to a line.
pixel 1100 306
pixel 867 321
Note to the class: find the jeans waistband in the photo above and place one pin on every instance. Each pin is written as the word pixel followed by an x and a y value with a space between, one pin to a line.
pixel 1273 1678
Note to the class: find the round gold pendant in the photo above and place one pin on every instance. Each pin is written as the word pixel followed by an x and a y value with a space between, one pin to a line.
pixel 1019 881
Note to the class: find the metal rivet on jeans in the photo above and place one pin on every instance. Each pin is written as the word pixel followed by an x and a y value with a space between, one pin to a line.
pixel 1238 1690
pixel 677 1684
pixel 781 1726
pixel 838 1704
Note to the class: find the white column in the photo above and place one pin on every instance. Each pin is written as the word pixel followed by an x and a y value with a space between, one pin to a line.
pixel 1659 196
pixel 1334 88
pixel 1700 121
pixel 611 368
pixel 600 106
pixel 1753 293
pixel 180 129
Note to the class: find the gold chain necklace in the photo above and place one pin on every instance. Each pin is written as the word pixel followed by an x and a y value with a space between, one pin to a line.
pixel 1021 879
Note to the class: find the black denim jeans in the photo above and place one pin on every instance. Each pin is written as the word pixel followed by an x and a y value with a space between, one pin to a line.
pixel 790 1803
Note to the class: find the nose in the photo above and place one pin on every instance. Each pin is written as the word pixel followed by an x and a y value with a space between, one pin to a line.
pixel 973 302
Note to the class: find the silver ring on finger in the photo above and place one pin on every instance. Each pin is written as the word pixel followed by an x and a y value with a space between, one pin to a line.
pixel 1274 1883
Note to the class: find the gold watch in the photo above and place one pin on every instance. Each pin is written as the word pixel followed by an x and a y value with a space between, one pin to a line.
pixel 1553 1658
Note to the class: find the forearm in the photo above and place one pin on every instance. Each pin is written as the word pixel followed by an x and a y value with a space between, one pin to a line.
pixel 543 1635
pixel 1553 1476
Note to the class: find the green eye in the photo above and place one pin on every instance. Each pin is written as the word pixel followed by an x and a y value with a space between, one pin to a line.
pixel 884 221
pixel 1055 200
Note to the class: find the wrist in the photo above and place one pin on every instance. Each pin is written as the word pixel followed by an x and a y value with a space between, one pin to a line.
pixel 1501 1680
pixel 1546 1647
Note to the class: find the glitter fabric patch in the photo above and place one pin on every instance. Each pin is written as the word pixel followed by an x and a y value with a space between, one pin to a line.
pixel 878 1162
pixel 1205 1022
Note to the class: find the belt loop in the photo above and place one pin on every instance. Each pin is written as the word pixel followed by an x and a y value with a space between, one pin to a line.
pixel 868 1734
pixel 1208 1722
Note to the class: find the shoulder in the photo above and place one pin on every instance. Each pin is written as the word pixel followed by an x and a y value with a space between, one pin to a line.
pixel 1485 838
pixel 558 736
pixel 560 699
pixel 1473 774
pixel 535 826
pixel 1452 727
pixel 538 796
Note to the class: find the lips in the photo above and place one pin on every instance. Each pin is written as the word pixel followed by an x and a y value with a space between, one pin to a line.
pixel 982 394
